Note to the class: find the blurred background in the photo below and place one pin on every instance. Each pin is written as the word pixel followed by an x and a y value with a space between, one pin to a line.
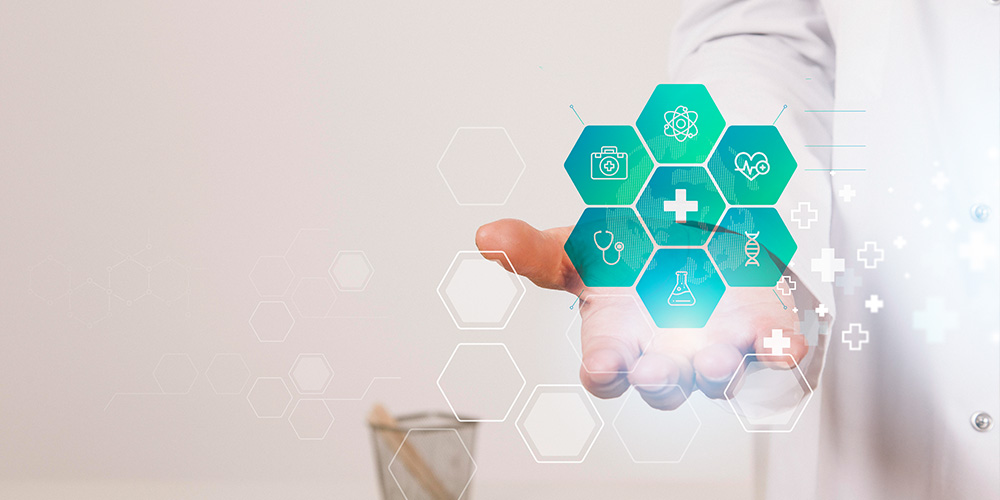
pixel 178 180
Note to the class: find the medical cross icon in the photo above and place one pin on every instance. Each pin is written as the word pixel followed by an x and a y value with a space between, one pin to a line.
pixel 827 265
pixel 935 319
pixel 847 193
pixel 680 206
pixel 777 343
pixel 899 242
pixel 874 304
pixel 849 282
pixel 821 310
pixel 976 251
pixel 805 208
pixel 790 285
pixel 871 255
pixel 854 336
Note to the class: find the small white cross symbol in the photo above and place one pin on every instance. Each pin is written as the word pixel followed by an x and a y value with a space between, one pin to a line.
pixel 940 181
pixel 871 255
pixel 805 208
pixel 874 303
pixel 854 336
pixel 899 242
pixel 680 206
pixel 977 251
pixel 847 193
pixel 936 320
pixel 777 343
pixel 827 265
pixel 821 310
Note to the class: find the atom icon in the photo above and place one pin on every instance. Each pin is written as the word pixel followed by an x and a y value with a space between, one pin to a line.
pixel 681 124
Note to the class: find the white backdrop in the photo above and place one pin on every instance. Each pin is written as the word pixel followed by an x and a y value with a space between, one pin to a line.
pixel 193 138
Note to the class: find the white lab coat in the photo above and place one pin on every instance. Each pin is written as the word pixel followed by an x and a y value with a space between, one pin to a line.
pixel 891 420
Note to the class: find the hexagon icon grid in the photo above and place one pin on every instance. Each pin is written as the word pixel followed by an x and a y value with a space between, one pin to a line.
pixel 454 470
pixel 752 165
pixel 608 165
pixel 269 397
pixel 680 206
pixel 478 293
pixel 609 247
pixel 271 321
pixel 477 153
pixel 311 373
pixel 351 270
pixel 310 419
pixel 680 288
pixel 271 276
pixel 175 373
pixel 227 373
pixel 752 247
pixel 653 436
pixel 481 382
pixel 768 400
pixel 559 423
pixel 629 314
pixel 680 123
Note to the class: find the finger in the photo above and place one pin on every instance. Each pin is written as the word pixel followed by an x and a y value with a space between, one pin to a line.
pixel 612 333
pixel 536 255
pixel 714 366
pixel 663 380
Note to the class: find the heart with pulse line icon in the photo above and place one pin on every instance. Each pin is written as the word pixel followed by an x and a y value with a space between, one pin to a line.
pixel 752 166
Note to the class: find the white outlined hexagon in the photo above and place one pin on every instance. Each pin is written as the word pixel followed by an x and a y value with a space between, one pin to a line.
pixel 49 280
pixel 666 429
pixel 175 362
pixel 640 315
pixel 491 377
pixel 271 276
pixel 311 252
pixel 736 386
pixel 479 294
pixel 406 438
pixel 311 373
pixel 560 423
pixel 312 404
pixel 279 388
pixel 478 158
pixel 351 270
pixel 233 365
pixel 313 297
pixel 271 312
pixel 129 280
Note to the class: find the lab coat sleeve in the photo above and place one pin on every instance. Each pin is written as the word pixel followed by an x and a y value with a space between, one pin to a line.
pixel 755 56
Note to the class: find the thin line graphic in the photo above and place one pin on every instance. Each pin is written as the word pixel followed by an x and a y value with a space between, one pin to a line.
pixel 577 114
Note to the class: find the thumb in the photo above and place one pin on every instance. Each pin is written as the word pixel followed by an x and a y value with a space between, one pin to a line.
pixel 536 255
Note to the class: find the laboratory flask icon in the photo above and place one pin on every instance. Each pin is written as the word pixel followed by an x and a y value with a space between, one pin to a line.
pixel 681 294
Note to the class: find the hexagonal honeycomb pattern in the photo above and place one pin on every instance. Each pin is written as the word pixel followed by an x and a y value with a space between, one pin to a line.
pixel 686 207
pixel 227 373
pixel 652 436
pixel 559 423
pixel 752 247
pixel 269 397
pixel 608 165
pixel 479 293
pixel 609 247
pixel 271 321
pixel 311 373
pixel 175 373
pixel 752 165
pixel 766 400
pixel 351 271
pixel 681 206
pixel 310 419
pixel 472 367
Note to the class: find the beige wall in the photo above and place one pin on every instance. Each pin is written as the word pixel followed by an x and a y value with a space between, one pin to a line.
pixel 213 132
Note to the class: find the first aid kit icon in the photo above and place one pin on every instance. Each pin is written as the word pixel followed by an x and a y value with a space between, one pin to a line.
pixel 609 164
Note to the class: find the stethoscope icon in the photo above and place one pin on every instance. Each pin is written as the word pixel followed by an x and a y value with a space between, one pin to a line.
pixel 619 246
